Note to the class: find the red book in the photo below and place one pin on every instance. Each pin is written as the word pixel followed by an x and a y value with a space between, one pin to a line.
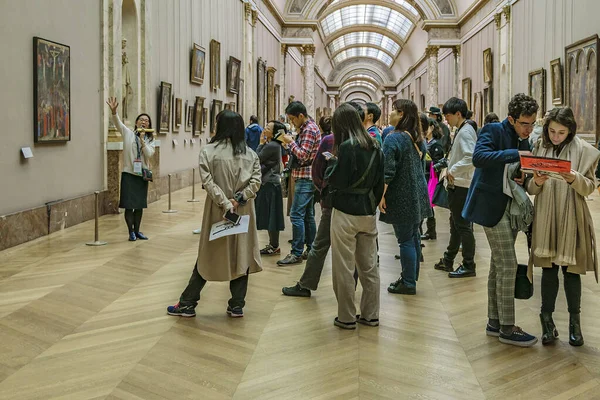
pixel 544 164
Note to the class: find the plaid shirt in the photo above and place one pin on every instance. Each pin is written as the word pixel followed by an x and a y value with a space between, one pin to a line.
pixel 305 149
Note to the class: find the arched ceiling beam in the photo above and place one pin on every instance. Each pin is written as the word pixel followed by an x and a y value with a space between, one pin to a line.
pixel 426 11
pixel 375 66
pixel 366 28
pixel 362 71
pixel 354 46
pixel 353 94
pixel 383 3
pixel 372 94
pixel 362 79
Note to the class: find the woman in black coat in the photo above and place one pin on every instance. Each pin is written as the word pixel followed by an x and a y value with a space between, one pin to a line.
pixel 435 152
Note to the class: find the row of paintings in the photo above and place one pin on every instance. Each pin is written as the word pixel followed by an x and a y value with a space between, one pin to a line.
pixel 197 63
pixel 173 114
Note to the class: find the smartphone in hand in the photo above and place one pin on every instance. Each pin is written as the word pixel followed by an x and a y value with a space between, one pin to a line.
pixel 232 217
pixel 328 156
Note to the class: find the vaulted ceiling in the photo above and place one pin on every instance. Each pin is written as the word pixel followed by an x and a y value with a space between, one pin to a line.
pixel 364 39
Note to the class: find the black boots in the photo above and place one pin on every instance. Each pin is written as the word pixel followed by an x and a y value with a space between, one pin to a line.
pixel 463 271
pixel 575 335
pixel 442 265
pixel 430 234
pixel 549 332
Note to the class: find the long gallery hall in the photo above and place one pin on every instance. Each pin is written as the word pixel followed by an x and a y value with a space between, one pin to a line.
pixel 299 199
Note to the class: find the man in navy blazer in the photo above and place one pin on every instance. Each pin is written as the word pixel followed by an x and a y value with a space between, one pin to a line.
pixel 500 144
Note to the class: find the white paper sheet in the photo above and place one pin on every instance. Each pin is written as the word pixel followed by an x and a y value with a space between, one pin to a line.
pixel 225 228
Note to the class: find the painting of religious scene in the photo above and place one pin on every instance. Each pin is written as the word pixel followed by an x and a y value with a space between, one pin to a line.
pixel 537 90
pixel 215 65
pixel 233 75
pixel 197 64
pixel 556 79
pixel 581 86
pixel 197 119
pixel 164 107
pixel 51 91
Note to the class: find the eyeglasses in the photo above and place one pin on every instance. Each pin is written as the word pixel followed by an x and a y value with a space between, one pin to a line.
pixel 525 124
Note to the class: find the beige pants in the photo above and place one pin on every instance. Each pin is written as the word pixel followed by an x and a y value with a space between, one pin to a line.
pixel 353 243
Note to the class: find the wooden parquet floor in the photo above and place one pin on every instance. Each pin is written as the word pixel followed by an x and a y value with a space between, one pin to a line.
pixel 80 322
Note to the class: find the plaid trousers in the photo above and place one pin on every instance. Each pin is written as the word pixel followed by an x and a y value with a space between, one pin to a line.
pixel 503 271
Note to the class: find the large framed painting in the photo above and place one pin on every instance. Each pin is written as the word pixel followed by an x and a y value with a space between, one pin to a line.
pixel 537 89
pixel 51 91
pixel 197 119
pixel 197 64
pixel 581 86
pixel 215 65
pixel 466 91
pixel 261 87
pixel 270 94
pixel 478 108
pixel 488 101
pixel 189 117
pixel 174 127
pixel 204 118
pixel 556 81
pixel 164 107
pixel 488 66
pixel 217 107
pixel 240 99
pixel 234 67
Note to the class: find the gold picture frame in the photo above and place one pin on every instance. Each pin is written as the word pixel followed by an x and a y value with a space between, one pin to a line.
pixel 197 62
pixel 215 65
pixel 197 122
pixel 537 89
pixel 164 107
pixel 556 82
pixel 466 91
pixel 488 66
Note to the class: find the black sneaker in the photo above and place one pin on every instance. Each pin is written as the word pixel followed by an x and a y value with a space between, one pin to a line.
pixel 368 322
pixel 296 291
pixel 181 311
pixel 235 312
pixel 344 325
pixel 492 330
pixel 399 287
pixel 305 254
pixel 518 337
pixel 290 259
pixel 270 251
pixel 443 266
pixel 463 272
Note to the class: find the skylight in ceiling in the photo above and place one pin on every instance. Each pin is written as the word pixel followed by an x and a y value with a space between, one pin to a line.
pixel 358 84
pixel 369 52
pixel 367 15
pixel 373 38
pixel 403 3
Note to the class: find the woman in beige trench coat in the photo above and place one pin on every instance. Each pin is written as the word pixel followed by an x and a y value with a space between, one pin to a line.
pixel 563 229
pixel 230 173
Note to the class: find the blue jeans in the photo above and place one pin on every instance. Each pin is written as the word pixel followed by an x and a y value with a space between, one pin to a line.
pixel 302 215
pixel 409 241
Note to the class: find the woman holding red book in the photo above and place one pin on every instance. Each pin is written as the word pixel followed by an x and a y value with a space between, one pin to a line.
pixel 563 229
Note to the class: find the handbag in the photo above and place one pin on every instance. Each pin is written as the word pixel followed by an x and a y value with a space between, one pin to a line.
pixel 146 172
pixel 440 194
pixel 523 288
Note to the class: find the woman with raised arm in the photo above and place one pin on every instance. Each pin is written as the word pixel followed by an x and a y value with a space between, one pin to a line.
pixel 138 149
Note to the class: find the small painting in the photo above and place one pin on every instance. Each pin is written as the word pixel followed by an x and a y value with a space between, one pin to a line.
pixel 228 106
pixel 277 101
pixel 240 99
pixel 581 86
pixel 197 123
pixel 215 65
pixel 51 91
pixel 189 117
pixel 164 107
pixel 556 79
pixel 198 58
pixel 178 114
pixel 233 75
pixel 537 90
pixel 478 108
pixel 466 91
pixel 204 118
pixel 488 66
pixel 261 87
pixel 488 101
pixel 217 107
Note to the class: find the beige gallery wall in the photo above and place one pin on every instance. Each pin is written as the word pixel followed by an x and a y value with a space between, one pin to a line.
pixel 56 171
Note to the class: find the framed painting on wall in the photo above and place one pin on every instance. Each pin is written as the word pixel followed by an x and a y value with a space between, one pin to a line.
pixel 215 65
pixel 270 94
pixel 228 106
pixel 537 90
pixel 488 101
pixel 240 99
pixel 261 87
pixel 233 75
pixel 204 118
pixel 174 126
pixel 51 91
pixel 556 81
pixel 189 117
pixel 164 107
pixel 197 62
pixel 478 108
pixel 217 107
pixel 277 101
pixel 466 91
pixel 581 86
pixel 197 119
pixel 488 66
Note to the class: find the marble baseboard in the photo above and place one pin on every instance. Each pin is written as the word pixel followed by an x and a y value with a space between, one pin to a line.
pixel 31 224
